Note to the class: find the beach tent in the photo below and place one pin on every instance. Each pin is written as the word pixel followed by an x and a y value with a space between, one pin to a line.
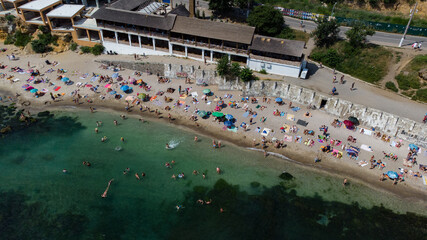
pixel 142 95
pixel 279 100
pixel 413 146
pixel 202 113
pixel 265 132
pixel 34 90
pixel 348 123
pixel 65 79
pixel 206 91
pixel 229 116
pixel 218 114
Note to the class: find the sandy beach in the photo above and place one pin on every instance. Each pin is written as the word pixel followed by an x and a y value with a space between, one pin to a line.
pixel 80 69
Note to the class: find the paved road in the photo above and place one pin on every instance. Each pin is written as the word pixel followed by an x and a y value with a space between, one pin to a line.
pixel 381 38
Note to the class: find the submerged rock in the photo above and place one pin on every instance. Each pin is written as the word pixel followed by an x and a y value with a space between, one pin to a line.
pixel 286 176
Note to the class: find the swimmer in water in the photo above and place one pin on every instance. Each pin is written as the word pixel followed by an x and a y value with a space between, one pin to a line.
pixel 104 195
pixel 96 130
pixel 122 139
pixel 195 139
pixel 137 176
pixel 345 182
pixel 167 165
pixel 167 146
pixel 115 122
pixel 173 176
pixel 143 174
pixel 64 170
pixel 213 143
pixel 208 202
pixel 195 172
pixel 204 176
pixel 218 170
pixel 104 139
pixel 173 161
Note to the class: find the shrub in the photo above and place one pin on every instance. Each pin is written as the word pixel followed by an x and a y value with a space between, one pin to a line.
pixel 9 39
pixel 263 71
pixel 246 74
pixel 40 47
pixel 235 70
pixel 421 95
pixel 68 38
pixel 10 18
pixel 332 58
pixel 73 46
pixel 98 49
pixel 85 49
pixel 21 39
pixel 223 66
pixel 407 82
pixel 391 86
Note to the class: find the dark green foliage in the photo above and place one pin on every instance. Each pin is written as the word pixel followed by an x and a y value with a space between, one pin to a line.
pixel 421 95
pixel 267 20
pixel 19 39
pixel 287 33
pixel 373 3
pixel 73 46
pixel 246 75
pixel 9 39
pixel 85 49
pixel 41 45
pixel 329 57
pixel 203 15
pixel 357 34
pixel 408 81
pixel 263 71
pixel 220 7
pixel 98 49
pixel 391 86
pixel 235 70
pixel 223 67
pixel 68 38
pixel 326 33
pixel 10 18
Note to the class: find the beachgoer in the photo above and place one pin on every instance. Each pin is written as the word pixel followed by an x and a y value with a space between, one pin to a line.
pixel 352 86
pixel 115 122
pixel 219 144
pixel 218 170
pixel 345 182
pixel 137 176
pixel 204 176
pixel 213 144
pixel 122 139
pixel 64 170
pixel 173 162
pixel 96 130
pixel 167 146
pixel 195 139
pixel 173 176
pixel 195 172
pixel 104 195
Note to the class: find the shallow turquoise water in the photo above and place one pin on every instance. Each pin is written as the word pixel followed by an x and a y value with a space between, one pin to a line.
pixel 32 161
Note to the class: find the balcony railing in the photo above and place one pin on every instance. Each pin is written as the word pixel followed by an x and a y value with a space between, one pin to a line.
pixel 207 45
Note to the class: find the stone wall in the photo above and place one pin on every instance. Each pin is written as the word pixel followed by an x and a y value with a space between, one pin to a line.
pixel 372 118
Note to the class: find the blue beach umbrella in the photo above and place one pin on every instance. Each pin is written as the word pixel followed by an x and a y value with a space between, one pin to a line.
pixel 65 79
pixel 413 146
pixel 229 116
pixel 124 88
pixel 228 123
pixel 34 90
pixel 115 75
pixel 279 100
pixel 392 175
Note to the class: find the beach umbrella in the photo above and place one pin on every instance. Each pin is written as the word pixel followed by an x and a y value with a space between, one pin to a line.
pixel 279 100
pixel 124 88
pixel 229 116
pixel 206 91
pixel 228 123
pixel 130 98
pixel 218 114
pixel 34 90
pixel 142 95
pixel 354 120
pixel 220 103
pixel 115 75
pixel 348 123
pixel 413 146
pixel 392 175
pixel 202 114
pixel 65 79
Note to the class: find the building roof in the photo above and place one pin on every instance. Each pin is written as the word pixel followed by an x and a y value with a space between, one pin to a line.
pixel 66 11
pixel 216 30
pixel 135 18
pixel 39 5
pixel 128 4
pixel 180 10
pixel 277 45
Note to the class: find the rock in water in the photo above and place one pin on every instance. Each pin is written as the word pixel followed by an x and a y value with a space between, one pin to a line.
pixel 286 176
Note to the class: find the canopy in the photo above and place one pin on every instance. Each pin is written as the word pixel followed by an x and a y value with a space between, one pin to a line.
pixel 34 90
pixel 206 91
pixel 228 123
pixel 124 88
pixel 218 114
pixel 65 79
pixel 142 95
pixel 279 100
pixel 202 114
pixel 392 175
pixel 229 116
pixel 220 103
pixel 413 146
pixel 348 123
pixel 354 120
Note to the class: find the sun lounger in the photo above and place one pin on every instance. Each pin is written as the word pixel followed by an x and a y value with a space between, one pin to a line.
pixel 302 123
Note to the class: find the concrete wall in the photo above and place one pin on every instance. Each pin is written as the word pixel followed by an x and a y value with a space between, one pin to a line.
pixel 274 68
pixel 388 123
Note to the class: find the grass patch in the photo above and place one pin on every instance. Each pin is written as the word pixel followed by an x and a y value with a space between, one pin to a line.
pixel 369 64
pixel 391 86
pixel 408 78
pixel 408 81
pixel 408 93
pixel 421 95
pixel 289 33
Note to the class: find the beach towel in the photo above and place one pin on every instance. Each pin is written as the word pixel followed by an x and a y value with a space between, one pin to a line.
pixel 25 86
pixel 246 114
pixel 366 148
pixel 302 123
pixel 57 88
pixel 362 163
pixel 295 109
pixel 290 117
pixel 44 90
pixel 194 94
pixel 286 127
pixel 107 85
pixel 183 96
pixel 113 92
pixel 153 98
pixel 233 129
pixel 299 139
pixel 287 138
pixel 282 114
pixel 265 132
pixel 425 180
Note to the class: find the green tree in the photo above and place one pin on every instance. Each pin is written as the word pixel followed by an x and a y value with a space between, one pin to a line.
pixel 98 49
pixel 246 74
pixel 220 6
pixel 267 20
pixel 357 34
pixel 235 70
pixel 244 3
pixel 326 33
pixel 223 66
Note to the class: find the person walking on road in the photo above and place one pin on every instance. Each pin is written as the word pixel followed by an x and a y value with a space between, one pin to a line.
pixel 352 86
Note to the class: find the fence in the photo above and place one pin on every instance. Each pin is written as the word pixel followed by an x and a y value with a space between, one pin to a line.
pixel 380 26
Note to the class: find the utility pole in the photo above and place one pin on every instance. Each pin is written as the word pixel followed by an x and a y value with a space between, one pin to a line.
pixel 409 23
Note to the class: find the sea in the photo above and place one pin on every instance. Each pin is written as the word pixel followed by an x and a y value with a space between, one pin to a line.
pixel 46 192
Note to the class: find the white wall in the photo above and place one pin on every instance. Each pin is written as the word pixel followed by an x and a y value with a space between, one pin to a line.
pixel 126 49
pixel 275 68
